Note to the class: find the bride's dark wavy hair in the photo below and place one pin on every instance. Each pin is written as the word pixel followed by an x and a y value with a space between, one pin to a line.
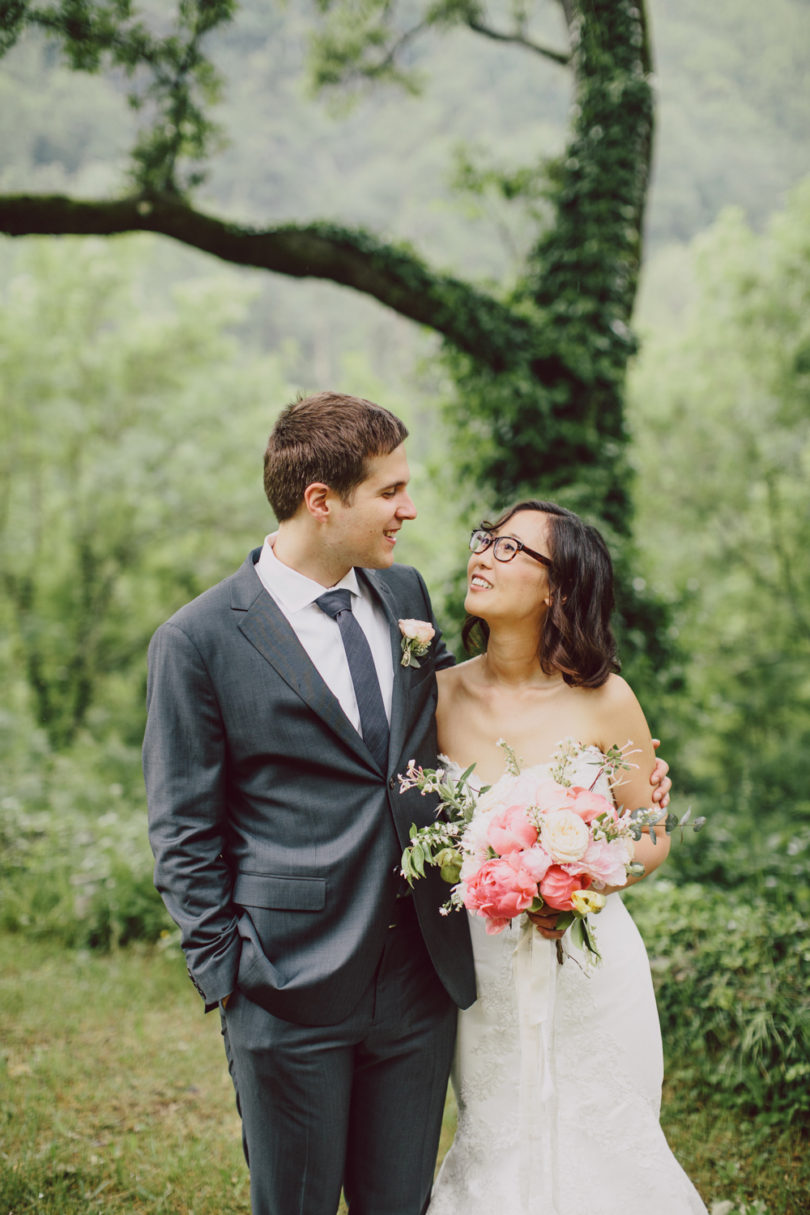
pixel 576 639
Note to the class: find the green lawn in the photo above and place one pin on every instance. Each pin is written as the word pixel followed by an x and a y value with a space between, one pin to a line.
pixel 115 1097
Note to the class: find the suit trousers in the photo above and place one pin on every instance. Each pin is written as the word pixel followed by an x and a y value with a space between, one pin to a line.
pixel 357 1104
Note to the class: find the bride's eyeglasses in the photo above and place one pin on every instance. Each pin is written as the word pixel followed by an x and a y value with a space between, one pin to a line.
pixel 504 548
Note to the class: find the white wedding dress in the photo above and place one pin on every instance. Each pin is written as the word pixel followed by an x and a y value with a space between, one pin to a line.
pixel 557 1077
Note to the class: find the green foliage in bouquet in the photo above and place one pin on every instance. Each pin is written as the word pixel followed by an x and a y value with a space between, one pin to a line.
pixel 437 844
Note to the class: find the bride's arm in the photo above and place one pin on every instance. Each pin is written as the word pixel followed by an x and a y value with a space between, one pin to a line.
pixel 621 720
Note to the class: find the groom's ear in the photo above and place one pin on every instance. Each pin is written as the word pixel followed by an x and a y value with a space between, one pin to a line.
pixel 316 499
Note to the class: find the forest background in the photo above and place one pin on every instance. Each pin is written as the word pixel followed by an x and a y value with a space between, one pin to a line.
pixel 139 380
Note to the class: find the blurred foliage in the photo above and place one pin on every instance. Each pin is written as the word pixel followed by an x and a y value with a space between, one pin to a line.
pixel 732 92
pixel 721 407
pixel 76 877
pixel 732 977
pixel 124 429
pixel 178 137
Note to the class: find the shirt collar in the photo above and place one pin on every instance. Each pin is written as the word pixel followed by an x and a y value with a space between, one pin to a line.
pixel 292 590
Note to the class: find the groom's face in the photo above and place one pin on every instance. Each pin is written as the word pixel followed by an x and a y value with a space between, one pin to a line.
pixel 364 530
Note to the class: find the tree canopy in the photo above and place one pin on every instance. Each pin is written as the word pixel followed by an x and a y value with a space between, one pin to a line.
pixel 720 400
pixel 539 368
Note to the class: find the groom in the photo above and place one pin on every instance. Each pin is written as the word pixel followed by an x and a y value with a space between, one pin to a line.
pixel 278 719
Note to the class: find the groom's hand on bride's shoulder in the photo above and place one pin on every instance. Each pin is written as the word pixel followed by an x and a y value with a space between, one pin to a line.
pixel 659 780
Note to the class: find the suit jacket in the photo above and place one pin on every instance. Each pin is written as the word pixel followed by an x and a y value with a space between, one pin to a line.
pixel 276 837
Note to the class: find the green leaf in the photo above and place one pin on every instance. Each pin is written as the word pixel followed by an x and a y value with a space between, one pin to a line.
pixel 465 776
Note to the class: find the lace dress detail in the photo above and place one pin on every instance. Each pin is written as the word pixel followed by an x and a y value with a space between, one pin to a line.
pixel 557 1077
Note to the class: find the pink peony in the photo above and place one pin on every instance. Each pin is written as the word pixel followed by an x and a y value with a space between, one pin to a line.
pixel 589 805
pixel 535 861
pixel 500 890
pixel 511 831
pixel 605 861
pixel 538 789
pixel 558 886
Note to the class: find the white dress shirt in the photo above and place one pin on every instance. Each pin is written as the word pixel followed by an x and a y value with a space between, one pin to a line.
pixel 319 634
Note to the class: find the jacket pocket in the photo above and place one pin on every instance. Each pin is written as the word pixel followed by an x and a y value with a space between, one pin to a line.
pixel 279 893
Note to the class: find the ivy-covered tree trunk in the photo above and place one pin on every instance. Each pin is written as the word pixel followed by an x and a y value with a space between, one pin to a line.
pixel 555 414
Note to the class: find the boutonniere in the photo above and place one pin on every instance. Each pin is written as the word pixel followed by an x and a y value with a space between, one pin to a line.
pixel 416 638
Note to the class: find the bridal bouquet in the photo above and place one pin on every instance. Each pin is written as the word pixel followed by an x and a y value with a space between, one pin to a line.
pixel 535 840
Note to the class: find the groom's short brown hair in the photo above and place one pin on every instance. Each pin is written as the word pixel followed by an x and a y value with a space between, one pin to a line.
pixel 326 437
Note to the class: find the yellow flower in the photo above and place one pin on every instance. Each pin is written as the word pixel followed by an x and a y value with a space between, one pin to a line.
pixel 587 901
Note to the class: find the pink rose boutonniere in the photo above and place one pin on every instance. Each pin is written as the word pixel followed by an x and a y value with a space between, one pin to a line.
pixel 416 638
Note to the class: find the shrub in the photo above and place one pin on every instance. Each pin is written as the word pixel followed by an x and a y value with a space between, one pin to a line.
pixel 732 975
pixel 78 879
pixel 742 852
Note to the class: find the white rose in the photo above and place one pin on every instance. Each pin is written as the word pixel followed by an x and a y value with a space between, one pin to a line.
pixel 564 835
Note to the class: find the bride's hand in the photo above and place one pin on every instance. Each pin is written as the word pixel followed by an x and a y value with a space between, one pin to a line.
pixel 544 922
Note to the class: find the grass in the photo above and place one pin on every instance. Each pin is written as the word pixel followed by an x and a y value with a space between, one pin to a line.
pixel 115 1098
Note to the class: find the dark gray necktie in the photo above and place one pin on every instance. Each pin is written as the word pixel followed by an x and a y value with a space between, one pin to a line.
pixel 373 721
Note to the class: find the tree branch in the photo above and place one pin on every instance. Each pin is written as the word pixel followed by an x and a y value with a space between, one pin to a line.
pixel 470 320
pixel 561 57
pixel 389 62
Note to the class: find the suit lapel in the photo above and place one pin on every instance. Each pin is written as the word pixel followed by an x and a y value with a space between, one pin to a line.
pixel 267 629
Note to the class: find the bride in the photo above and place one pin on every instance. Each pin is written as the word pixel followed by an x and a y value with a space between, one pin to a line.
pixel 558 1067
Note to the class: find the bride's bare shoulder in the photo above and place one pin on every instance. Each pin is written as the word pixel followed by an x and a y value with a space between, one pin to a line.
pixel 614 693
pixel 617 714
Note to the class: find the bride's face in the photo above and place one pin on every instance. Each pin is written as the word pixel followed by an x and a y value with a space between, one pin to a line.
pixel 514 591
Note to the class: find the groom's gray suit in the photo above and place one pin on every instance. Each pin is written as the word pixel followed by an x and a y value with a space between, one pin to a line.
pixel 277 841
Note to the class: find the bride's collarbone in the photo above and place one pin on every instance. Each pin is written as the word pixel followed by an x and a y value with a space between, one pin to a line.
pixel 539 696
pixel 488 748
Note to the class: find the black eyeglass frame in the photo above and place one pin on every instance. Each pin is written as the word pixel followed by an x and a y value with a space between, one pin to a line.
pixel 477 545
